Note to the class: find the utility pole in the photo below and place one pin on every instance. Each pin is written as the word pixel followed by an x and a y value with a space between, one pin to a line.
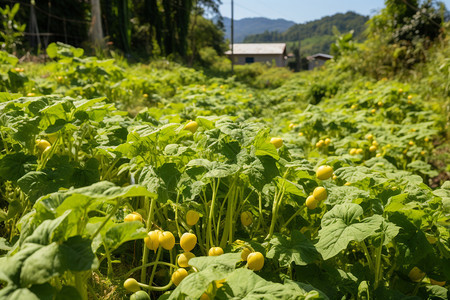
pixel 232 37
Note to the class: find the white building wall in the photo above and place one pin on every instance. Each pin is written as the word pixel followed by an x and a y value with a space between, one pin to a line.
pixel 261 58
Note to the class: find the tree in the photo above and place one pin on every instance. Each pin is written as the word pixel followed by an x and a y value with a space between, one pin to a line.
pixel 96 31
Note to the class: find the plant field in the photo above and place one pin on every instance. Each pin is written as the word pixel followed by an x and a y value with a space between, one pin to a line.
pixel 120 179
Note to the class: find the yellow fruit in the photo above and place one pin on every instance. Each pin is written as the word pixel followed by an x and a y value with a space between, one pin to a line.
pixel 46 151
pixel 353 151
pixel 204 296
pixel 410 97
pixel 255 261
pixel 435 282
pixel 347 183
pixel 31 94
pixel 191 126
pixel 133 217
pixel 320 143
pixel 375 143
pixel 179 275
pixel 378 155
pixel 320 193
pixel 152 240
pixel 246 218
pixel 145 95
pixel 369 137
pixel 291 126
pixel 359 151
pixel 42 145
pixel 215 251
pixel 52 137
pixel 327 141
pixel 354 106
pixel 373 148
pixel 370 91
pixel 427 139
pixel 416 274
pixel 300 134
pixel 188 241
pixel 192 217
pixel 277 142
pixel 245 253
pixel 167 240
pixel 131 285
pixel 422 152
pixel 400 91
pixel 324 172
pixel 311 202
pixel 411 143
pixel 380 103
pixel 334 177
pixel 183 259
pixel 373 110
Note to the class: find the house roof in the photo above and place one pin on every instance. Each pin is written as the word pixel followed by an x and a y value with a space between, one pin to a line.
pixel 258 48
pixel 320 55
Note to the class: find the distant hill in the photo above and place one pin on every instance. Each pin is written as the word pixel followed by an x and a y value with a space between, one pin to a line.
pixel 315 36
pixel 249 26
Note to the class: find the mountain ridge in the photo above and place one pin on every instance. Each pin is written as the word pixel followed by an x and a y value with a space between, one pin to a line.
pixel 248 26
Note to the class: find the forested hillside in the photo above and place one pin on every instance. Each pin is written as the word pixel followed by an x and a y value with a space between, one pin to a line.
pixel 315 36
pixel 249 26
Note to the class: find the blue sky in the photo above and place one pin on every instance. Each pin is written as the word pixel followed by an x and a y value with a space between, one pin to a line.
pixel 300 11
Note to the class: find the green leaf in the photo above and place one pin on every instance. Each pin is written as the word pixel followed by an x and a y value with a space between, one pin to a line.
pixel 68 293
pixel 4 244
pixel 245 284
pixel 227 260
pixel 297 249
pixel 261 171
pixel 211 268
pixel 263 147
pixel 341 225
pixel 123 232
pixel 35 292
pixel 361 174
pixel 345 194
pixel 52 50
pixel 75 254
pixel 49 231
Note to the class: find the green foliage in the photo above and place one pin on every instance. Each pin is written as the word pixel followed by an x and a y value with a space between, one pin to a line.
pixel 65 204
pixel 12 30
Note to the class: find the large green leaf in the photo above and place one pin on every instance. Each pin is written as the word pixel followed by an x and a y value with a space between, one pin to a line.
pixel 342 225
pixel 123 232
pixel 297 249
pixel 13 166
pixel 49 231
pixel 85 197
pixel 211 268
pixel 75 254
pixel 245 284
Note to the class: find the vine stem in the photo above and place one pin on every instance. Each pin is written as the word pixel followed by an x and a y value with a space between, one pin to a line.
pixel 369 258
pixel 378 263
pixel 145 249
pixel 158 254
pixel 276 204
pixel 149 265
pixel 209 235
pixel 113 211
